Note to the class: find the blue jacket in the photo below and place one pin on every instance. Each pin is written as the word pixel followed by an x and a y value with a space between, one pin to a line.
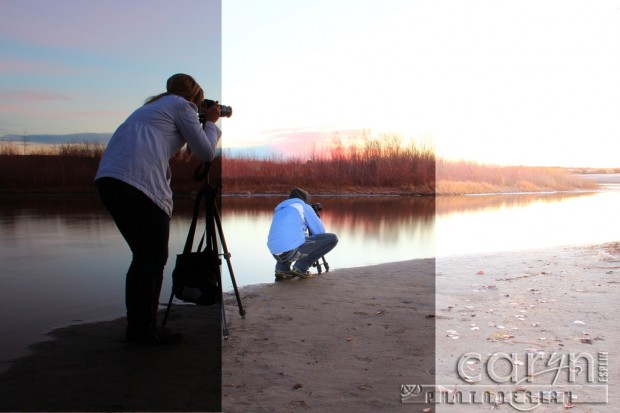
pixel 291 219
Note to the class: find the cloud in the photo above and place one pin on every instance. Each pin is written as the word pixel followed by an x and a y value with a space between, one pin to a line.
pixel 302 141
pixel 25 110
pixel 114 26
pixel 30 66
pixel 59 139
pixel 31 96
pixel 95 113
pixel 65 23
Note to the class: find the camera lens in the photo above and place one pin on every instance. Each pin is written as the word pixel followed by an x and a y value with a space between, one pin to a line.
pixel 225 111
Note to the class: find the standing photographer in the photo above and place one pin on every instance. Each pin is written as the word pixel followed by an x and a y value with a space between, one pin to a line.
pixel 288 240
pixel 134 184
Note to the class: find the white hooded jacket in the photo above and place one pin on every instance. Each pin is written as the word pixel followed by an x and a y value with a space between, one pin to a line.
pixel 140 150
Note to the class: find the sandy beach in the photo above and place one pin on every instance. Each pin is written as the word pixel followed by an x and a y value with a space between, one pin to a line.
pixel 539 303
pixel 359 340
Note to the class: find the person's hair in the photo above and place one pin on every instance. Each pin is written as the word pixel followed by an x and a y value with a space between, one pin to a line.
pixel 300 194
pixel 182 85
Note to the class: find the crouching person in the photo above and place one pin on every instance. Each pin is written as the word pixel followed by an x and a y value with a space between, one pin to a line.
pixel 297 236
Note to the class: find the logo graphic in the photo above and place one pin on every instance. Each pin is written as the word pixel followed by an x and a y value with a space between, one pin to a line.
pixel 525 382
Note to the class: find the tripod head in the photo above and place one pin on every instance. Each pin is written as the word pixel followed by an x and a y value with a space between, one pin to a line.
pixel 202 172
pixel 211 179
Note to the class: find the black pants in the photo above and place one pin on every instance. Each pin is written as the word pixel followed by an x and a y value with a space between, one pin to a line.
pixel 146 228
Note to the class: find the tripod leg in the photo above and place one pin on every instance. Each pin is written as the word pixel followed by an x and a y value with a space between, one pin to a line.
pixel 318 267
pixel 227 257
pixel 223 311
pixel 165 320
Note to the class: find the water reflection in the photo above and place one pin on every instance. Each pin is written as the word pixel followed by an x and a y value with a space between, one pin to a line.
pixel 481 224
pixel 368 217
pixel 370 231
pixel 64 260
pixel 478 203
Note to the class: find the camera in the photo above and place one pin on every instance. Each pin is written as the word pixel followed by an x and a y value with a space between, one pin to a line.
pixel 317 207
pixel 225 111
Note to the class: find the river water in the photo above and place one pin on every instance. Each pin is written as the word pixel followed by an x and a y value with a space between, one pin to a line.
pixel 63 260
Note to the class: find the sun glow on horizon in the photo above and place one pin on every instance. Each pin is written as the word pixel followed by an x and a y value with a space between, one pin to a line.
pixel 491 81
pixel 494 82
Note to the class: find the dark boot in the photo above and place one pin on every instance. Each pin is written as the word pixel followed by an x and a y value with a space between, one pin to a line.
pixel 147 332
pixel 132 291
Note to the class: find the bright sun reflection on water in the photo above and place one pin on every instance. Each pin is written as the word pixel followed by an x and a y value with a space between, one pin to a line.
pixel 513 224
pixel 66 255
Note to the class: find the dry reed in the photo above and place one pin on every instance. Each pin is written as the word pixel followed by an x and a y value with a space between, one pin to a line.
pixel 349 164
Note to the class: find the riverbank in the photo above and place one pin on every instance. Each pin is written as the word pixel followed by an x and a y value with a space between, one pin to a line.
pixel 540 309
pixel 388 169
pixel 348 339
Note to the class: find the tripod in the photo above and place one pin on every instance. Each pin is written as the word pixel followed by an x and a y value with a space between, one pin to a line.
pixel 213 232
pixel 317 263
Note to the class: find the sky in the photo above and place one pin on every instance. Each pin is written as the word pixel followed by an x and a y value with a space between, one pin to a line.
pixel 72 66
pixel 532 82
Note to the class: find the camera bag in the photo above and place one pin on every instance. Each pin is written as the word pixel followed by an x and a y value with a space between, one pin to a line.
pixel 196 275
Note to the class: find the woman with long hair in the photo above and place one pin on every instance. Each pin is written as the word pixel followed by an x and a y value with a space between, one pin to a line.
pixel 133 181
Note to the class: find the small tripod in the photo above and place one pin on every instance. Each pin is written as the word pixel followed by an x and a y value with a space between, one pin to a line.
pixel 213 231
pixel 317 263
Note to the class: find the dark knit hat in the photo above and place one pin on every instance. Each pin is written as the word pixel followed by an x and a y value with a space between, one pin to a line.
pixel 301 194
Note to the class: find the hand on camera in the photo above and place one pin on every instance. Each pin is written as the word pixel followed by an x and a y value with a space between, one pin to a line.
pixel 212 113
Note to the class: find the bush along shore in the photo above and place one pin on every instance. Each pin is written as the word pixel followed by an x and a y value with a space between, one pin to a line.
pixel 379 166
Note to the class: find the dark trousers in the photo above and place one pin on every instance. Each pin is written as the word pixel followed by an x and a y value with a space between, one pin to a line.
pixel 146 228
pixel 307 253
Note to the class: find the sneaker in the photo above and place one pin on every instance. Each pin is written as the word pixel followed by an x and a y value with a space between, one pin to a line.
pixel 283 275
pixel 299 274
